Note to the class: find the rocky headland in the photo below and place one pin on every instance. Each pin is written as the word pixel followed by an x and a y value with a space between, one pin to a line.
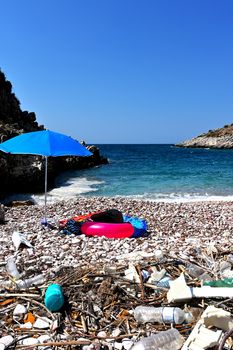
pixel 221 138
pixel 22 173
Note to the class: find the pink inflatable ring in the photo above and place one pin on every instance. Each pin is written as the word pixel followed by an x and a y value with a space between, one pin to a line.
pixel 121 230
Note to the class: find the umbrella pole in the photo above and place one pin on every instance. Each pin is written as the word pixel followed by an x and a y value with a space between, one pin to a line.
pixel 45 197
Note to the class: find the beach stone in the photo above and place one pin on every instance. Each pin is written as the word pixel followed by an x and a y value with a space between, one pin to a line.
pixel 19 312
pixel 45 338
pixel 20 203
pixel 127 344
pixel 41 324
pixel 6 341
pixel 65 247
pixel 26 325
pixel 158 254
pixel 30 341
pixel 116 332
pixel 102 334
pixel 118 345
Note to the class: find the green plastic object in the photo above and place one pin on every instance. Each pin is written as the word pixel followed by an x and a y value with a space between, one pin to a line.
pixel 226 282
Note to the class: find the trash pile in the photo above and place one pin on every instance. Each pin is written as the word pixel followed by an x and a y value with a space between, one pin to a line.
pixel 161 302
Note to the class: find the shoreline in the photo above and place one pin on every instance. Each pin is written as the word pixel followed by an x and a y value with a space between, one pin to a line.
pixel 38 199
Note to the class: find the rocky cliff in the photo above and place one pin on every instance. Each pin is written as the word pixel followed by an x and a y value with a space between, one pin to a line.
pixel 221 138
pixel 26 173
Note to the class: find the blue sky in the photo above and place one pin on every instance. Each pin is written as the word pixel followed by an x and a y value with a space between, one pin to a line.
pixel 121 71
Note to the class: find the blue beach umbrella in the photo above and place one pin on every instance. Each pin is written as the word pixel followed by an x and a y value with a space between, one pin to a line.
pixel 44 143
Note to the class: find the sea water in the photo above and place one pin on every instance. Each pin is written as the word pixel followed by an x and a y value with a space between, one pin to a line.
pixel 155 172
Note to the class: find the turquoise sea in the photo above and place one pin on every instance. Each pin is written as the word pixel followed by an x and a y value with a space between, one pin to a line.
pixel 155 172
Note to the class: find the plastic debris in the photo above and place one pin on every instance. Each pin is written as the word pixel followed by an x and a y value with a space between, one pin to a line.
pixel 29 282
pixel 165 314
pixel 12 268
pixel 179 291
pixel 225 282
pixel 19 239
pixel 170 339
pixel 202 336
pixel 54 298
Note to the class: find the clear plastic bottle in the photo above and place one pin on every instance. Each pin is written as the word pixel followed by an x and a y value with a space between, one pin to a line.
pixel 164 282
pixel 29 282
pixel 145 275
pixel 166 340
pixel 12 268
pixel 165 314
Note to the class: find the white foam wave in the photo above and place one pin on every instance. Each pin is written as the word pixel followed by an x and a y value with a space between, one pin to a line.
pixel 182 198
pixel 68 190
pixel 71 188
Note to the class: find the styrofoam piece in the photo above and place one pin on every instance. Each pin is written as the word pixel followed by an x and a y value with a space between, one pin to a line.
pixel 201 337
pixel 218 318
pixel 132 274
pixel 18 239
pixel 179 291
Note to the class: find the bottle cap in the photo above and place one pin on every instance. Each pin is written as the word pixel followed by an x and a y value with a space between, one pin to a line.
pixel 54 298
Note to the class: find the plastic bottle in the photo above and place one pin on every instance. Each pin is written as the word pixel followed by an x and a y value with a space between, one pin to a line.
pixel 145 274
pixel 165 314
pixel 164 282
pixel 166 340
pixel 12 268
pixel 54 298
pixel 29 282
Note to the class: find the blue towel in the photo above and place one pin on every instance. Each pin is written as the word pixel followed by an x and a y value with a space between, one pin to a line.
pixel 140 225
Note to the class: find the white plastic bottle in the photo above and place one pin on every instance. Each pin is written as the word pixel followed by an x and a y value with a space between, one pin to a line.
pixel 166 340
pixel 165 314
pixel 12 268
pixel 29 282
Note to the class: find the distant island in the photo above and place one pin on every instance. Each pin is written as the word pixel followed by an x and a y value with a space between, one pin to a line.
pixel 221 138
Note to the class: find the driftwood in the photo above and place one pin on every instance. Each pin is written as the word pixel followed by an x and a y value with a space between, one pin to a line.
pixel 98 305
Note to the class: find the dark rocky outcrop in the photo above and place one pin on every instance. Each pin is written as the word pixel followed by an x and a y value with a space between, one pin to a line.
pixel 221 138
pixel 23 173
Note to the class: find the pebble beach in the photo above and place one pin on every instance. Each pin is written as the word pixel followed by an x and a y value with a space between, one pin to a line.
pixel 181 230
